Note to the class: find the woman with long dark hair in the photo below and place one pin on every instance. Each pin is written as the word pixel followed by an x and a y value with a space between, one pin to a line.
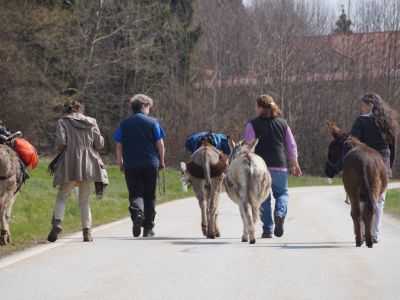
pixel 377 127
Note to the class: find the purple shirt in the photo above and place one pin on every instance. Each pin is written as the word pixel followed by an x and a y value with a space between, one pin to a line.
pixel 289 143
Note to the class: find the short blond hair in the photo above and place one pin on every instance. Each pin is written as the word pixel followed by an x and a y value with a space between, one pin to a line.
pixel 140 100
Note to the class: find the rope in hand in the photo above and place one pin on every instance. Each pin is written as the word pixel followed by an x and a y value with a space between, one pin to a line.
pixel 161 182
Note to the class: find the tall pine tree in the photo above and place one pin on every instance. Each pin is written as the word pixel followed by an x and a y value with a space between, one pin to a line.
pixel 343 24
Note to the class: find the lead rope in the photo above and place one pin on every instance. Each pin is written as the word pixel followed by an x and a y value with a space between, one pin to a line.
pixel 161 182
pixel 162 187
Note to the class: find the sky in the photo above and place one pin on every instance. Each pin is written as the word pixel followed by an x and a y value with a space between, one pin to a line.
pixel 335 4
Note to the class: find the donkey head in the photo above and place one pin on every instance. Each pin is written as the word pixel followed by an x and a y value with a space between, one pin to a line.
pixel 241 147
pixel 334 164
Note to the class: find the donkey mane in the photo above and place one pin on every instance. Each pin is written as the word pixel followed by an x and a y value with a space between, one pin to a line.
pixel 353 142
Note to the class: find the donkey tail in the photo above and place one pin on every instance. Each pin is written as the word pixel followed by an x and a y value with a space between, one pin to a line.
pixel 207 171
pixel 368 192
pixel 251 193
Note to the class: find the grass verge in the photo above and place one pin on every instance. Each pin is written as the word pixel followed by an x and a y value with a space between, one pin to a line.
pixel 392 203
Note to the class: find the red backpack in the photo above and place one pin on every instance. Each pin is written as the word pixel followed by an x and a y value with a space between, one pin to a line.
pixel 26 152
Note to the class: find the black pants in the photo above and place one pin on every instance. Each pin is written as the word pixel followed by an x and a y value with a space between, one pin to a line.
pixel 142 184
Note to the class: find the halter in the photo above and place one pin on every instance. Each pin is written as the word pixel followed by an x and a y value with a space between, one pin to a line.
pixel 334 167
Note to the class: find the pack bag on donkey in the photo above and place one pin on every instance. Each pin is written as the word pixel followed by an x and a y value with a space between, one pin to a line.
pixel 219 141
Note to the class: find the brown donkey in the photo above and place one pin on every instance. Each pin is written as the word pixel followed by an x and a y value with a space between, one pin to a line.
pixel 364 178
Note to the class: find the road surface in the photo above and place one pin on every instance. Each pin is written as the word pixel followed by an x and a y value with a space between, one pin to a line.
pixel 315 259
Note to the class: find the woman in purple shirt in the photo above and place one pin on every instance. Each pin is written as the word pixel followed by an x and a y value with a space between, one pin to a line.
pixel 275 139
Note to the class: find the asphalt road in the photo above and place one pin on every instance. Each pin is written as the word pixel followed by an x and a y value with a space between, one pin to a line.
pixel 315 259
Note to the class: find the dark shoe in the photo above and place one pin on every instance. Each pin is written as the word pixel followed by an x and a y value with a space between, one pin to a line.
pixel 55 231
pixel 87 235
pixel 266 235
pixel 279 225
pixel 148 232
pixel 137 225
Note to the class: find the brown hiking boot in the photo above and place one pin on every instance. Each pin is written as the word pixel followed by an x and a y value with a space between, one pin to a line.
pixel 279 221
pixel 55 231
pixel 87 235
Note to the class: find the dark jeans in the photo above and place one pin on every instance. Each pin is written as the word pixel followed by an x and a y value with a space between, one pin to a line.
pixel 142 184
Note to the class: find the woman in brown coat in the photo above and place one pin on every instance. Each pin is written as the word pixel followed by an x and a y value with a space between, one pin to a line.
pixel 78 139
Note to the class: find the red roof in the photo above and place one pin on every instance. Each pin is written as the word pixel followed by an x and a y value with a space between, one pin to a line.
pixel 330 57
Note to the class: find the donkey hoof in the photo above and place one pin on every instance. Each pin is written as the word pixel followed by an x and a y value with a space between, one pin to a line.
pixel 4 240
pixel 370 244
pixel 245 240
pixel 204 230
pixel 218 234
pixel 358 244
pixel 252 241
pixel 211 236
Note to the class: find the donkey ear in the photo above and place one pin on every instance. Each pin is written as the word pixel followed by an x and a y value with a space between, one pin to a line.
pixel 253 145
pixel 334 130
pixel 231 143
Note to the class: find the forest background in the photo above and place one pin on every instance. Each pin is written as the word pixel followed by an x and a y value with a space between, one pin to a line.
pixel 204 62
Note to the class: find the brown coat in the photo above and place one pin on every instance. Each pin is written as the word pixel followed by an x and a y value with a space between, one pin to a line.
pixel 79 139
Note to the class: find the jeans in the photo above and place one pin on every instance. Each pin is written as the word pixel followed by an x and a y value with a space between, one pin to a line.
pixel 281 196
pixel 141 183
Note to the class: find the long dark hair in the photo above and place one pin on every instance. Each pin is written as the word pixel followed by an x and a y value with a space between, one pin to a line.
pixel 385 117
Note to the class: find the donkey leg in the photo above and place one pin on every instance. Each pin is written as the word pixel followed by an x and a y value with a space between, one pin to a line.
pixel 217 232
pixel 198 187
pixel 245 235
pixel 202 204
pixel 249 221
pixel 213 206
pixel 4 235
pixel 218 190
pixel 367 219
pixel 5 213
pixel 211 219
pixel 356 216
pixel 216 201
pixel 8 215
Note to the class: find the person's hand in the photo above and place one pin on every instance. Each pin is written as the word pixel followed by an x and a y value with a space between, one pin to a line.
pixel 162 166
pixel 295 168
pixel 296 171
pixel 121 166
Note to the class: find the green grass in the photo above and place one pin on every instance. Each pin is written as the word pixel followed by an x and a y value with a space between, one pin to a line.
pixel 306 180
pixel 392 202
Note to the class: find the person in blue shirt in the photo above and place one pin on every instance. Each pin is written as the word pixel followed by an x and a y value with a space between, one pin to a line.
pixel 140 154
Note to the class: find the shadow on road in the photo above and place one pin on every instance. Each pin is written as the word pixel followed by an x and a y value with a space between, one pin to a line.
pixel 310 245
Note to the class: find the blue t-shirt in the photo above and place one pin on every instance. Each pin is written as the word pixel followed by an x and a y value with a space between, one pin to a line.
pixel 138 135
pixel 158 132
